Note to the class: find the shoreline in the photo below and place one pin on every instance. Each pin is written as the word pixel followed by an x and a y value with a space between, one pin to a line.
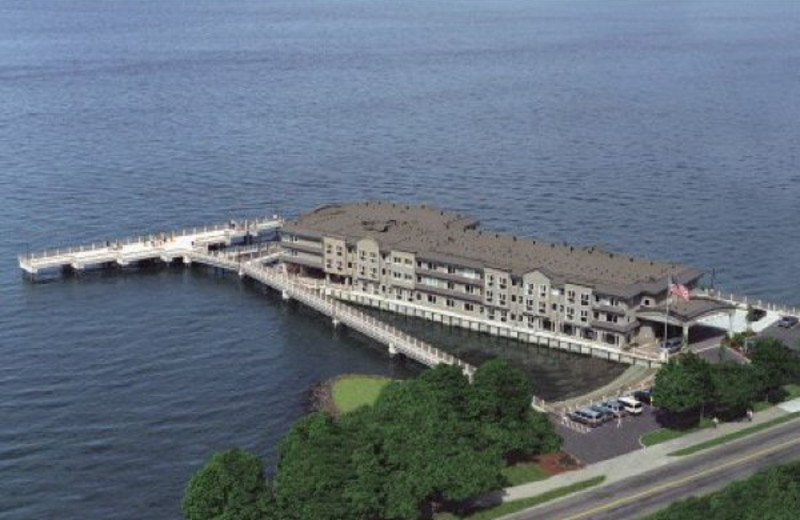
pixel 320 395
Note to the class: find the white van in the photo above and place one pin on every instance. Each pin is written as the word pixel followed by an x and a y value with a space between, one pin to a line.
pixel 632 406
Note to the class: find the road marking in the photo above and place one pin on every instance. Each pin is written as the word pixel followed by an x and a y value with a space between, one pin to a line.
pixel 682 480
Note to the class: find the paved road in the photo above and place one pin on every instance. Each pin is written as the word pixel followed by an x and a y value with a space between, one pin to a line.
pixel 693 475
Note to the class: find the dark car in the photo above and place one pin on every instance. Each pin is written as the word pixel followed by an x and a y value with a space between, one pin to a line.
pixel 606 413
pixel 643 396
pixel 787 322
pixel 673 345
pixel 614 407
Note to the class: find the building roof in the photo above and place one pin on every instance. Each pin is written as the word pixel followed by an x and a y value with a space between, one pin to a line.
pixel 687 311
pixel 453 238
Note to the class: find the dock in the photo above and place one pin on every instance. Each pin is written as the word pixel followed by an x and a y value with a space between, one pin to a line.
pixel 210 246
pixel 166 246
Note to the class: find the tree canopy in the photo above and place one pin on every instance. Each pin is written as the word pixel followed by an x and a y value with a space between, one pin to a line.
pixel 683 385
pixel 231 486
pixel 434 439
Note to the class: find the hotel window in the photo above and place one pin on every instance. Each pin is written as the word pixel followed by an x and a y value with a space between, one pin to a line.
pixel 502 299
pixel 408 261
pixel 407 277
pixel 450 303
pixel 584 299
pixel 396 259
pixel 469 307
pixel 571 296
pixel 431 298
pixel 584 315
pixel 570 313
pixel 531 289
pixel 490 280
pixel 419 296
pixel 451 285
pixel 469 289
pixel 338 264
pixel 489 295
pixel 502 282
pixel 513 298
pixel 555 306
pixel 503 316
pixel 542 308
pixel 328 264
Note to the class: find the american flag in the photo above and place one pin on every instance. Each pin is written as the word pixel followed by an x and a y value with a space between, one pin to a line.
pixel 679 290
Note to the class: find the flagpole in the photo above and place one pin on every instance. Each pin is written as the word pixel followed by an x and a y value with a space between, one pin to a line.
pixel 666 313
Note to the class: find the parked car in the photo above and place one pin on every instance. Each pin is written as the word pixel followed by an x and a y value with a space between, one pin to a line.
pixel 606 413
pixel 614 407
pixel 632 406
pixel 643 396
pixel 587 416
pixel 673 345
pixel 787 322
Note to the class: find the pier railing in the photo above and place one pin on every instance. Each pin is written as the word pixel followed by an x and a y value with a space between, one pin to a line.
pixel 370 326
pixel 744 301
pixel 238 226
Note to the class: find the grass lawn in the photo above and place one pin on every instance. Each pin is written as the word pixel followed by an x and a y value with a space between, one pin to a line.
pixel 523 473
pixel 735 435
pixel 667 434
pixel 351 392
pixel 524 503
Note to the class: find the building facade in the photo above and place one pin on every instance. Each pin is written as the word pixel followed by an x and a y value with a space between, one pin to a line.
pixel 442 261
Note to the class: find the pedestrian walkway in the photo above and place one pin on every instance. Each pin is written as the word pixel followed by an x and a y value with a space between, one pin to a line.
pixel 642 460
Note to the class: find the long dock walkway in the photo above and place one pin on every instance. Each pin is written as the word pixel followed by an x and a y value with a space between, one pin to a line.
pixel 164 246
pixel 198 245
pixel 340 313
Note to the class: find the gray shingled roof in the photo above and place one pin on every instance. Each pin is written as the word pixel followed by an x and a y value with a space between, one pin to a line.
pixel 450 237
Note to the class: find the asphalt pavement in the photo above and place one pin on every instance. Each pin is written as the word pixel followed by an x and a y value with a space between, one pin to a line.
pixel 704 472
pixel 608 440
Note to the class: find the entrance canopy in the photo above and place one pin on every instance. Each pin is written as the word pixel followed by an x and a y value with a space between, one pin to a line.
pixel 686 314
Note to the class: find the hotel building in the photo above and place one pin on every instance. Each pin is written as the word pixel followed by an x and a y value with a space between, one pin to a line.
pixel 443 262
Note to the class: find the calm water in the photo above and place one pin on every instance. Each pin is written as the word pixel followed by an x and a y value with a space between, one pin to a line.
pixel 667 129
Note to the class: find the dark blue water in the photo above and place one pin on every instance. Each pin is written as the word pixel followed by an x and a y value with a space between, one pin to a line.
pixel 666 129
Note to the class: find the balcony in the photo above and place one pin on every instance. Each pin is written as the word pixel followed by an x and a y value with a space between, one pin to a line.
pixel 449 293
pixel 613 309
pixel 621 328
pixel 304 247
pixel 452 277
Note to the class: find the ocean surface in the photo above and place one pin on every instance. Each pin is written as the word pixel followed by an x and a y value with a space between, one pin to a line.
pixel 658 128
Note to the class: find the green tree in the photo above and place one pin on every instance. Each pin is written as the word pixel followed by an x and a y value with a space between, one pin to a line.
pixel 776 363
pixel 683 386
pixel 736 388
pixel 313 468
pixel 231 486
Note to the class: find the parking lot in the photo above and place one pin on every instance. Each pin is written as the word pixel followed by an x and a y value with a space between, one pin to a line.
pixel 608 440
pixel 789 336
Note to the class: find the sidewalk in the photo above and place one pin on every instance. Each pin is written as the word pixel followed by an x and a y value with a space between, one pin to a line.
pixel 643 460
